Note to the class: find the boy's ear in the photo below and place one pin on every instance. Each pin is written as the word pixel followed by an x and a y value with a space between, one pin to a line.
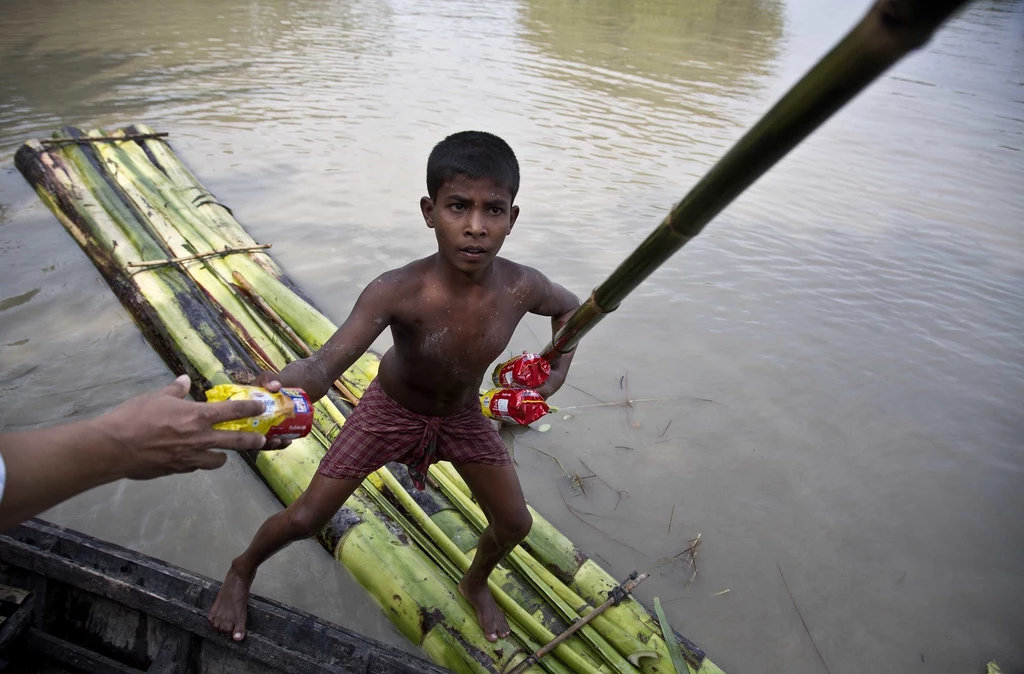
pixel 513 215
pixel 427 208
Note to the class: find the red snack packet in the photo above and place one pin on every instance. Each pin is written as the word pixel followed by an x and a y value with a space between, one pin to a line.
pixel 526 371
pixel 518 406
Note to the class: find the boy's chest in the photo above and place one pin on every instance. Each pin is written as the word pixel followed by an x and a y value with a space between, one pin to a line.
pixel 472 331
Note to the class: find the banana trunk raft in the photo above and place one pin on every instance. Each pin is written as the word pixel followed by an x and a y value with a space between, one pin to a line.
pixel 215 306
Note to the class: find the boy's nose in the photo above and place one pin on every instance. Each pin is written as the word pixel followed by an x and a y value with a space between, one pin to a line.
pixel 475 225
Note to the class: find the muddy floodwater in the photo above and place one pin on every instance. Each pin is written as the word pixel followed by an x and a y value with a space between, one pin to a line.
pixel 828 382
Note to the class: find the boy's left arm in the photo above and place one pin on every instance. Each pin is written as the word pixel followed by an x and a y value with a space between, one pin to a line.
pixel 553 300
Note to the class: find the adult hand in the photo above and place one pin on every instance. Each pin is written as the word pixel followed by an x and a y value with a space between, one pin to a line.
pixel 161 433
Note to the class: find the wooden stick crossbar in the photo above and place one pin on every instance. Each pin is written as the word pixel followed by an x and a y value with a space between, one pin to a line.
pixel 616 595
pixel 102 139
pixel 147 264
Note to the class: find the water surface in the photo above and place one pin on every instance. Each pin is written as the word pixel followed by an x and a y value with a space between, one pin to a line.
pixel 837 363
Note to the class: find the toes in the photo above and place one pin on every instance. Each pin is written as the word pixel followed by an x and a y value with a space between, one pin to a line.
pixel 492 637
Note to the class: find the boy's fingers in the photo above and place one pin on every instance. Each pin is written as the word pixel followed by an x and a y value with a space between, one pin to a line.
pixel 267 380
pixel 240 441
pixel 230 410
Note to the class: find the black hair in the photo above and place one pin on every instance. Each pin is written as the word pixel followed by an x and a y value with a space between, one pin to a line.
pixel 474 154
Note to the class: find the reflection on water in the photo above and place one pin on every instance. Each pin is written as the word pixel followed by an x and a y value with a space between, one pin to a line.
pixel 684 55
pixel 838 360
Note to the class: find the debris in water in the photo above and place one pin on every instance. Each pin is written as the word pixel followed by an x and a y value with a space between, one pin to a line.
pixel 567 417
pixel 620 492
pixel 719 594
pixel 800 615
pixel 544 428
pixel 575 513
pixel 693 546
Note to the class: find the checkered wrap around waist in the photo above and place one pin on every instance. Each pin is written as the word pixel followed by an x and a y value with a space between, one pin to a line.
pixel 380 430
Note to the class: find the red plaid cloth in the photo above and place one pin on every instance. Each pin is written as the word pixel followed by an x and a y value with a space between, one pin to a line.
pixel 380 431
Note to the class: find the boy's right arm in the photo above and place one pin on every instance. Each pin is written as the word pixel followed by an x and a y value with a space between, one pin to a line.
pixel 315 375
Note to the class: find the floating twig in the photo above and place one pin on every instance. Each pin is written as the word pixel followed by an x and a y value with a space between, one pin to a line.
pixel 584 392
pixel 801 616
pixel 593 474
pixel 662 434
pixel 671 517
pixel 553 458
pixel 575 514
pixel 719 594
pixel 693 546
pixel 630 402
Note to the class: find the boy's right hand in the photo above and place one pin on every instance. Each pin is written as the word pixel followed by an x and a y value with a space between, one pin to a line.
pixel 269 381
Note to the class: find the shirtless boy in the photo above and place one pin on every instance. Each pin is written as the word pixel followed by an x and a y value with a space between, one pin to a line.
pixel 451 316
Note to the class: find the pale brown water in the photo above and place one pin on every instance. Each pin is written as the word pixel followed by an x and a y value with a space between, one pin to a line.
pixel 843 348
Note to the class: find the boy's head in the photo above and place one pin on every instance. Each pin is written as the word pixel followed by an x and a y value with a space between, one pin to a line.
pixel 475 155
pixel 472 179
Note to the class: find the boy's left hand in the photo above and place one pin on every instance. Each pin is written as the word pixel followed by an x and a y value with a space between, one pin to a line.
pixel 553 383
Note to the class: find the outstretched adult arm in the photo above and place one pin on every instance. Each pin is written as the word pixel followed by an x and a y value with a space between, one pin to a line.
pixel 147 436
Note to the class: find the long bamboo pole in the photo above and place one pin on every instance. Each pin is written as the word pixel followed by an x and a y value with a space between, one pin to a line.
pixel 890 30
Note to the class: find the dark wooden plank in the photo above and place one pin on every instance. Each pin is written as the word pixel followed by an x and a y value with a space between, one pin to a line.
pixel 173 655
pixel 281 637
pixel 67 653
pixel 14 627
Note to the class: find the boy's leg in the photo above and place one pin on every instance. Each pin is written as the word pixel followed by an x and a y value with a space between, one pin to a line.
pixel 304 518
pixel 497 490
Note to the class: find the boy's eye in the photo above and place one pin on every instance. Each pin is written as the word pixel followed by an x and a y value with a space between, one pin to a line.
pixel 495 210
pixel 458 207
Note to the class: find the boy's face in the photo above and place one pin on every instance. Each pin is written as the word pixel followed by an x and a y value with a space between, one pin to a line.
pixel 470 218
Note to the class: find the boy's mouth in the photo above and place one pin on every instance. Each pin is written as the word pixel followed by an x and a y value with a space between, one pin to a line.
pixel 473 252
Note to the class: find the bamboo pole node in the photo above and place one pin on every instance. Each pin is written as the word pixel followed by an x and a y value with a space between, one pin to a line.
pixel 85 140
pixel 149 264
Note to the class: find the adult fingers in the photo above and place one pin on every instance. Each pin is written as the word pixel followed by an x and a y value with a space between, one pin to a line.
pixel 210 459
pixel 276 443
pixel 229 410
pixel 241 441
pixel 179 388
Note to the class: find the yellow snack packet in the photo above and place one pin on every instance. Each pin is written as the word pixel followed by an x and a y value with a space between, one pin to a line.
pixel 287 414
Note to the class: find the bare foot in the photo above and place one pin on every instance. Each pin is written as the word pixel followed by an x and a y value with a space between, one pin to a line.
pixel 227 615
pixel 490 617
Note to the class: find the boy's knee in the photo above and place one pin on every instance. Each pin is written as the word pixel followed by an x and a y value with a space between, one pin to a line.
pixel 516 528
pixel 304 522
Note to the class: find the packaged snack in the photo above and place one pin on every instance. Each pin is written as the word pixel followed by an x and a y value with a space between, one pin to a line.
pixel 526 371
pixel 287 414
pixel 519 406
